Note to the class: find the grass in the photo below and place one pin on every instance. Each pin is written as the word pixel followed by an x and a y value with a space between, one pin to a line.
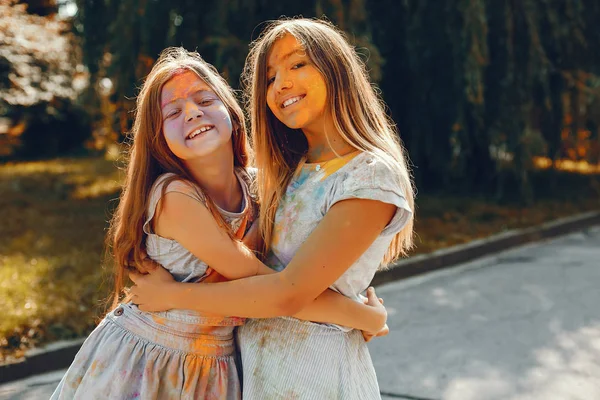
pixel 54 217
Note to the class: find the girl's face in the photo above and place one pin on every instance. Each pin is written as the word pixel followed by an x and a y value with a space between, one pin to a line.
pixel 196 123
pixel 296 90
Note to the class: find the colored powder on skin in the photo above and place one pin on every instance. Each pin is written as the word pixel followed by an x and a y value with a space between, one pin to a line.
pixel 181 88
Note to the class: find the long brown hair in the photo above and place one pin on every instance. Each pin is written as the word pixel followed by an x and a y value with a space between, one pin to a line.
pixel 358 113
pixel 149 157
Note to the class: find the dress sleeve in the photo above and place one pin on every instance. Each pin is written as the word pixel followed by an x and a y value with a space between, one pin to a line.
pixel 371 178
pixel 167 183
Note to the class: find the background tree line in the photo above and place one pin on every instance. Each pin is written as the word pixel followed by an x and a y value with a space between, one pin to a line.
pixel 484 92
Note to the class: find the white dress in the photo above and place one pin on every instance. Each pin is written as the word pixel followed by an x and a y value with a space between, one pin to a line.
pixel 286 358
pixel 177 354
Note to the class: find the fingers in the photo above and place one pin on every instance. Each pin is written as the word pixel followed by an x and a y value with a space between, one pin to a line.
pixel 369 336
pixel 364 299
pixel 371 295
pixel 149 265
pixel 146 265
pixel 384 331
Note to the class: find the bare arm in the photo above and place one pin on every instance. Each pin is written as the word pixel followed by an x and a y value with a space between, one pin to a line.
pixel 327 253
pixel 335 308
pixel 191 224
pixel 330 306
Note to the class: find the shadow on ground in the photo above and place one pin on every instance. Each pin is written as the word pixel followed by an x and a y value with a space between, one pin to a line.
pixel 522 325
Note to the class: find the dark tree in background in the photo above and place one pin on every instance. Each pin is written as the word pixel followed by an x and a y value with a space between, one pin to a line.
pixel 41 78
pixel 121 39
pixel 478 88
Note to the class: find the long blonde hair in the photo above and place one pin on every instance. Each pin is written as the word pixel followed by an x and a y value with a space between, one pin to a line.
pixel 149 157
pixel 357 110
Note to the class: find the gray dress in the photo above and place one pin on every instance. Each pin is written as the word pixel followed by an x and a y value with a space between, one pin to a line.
pixel 286 358
pixel 177 354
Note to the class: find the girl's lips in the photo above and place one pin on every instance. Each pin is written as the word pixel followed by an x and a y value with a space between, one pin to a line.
pixel 199 132
pixel 299 98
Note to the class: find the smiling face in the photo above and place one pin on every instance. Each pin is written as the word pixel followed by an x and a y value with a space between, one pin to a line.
pixel 296 91
pixel 196 123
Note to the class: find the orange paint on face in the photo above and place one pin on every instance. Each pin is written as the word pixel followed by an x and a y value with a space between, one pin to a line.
pixel 296 91
pixel 181 86
pixel 188 105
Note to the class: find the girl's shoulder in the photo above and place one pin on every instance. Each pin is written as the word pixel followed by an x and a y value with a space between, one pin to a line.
pixel 371 166
pixel 372 176
pixel 367 176
pixel 170 182
pixel 167 183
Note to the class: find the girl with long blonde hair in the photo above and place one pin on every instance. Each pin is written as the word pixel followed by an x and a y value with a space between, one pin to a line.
pixel 336 204
pixel 186 202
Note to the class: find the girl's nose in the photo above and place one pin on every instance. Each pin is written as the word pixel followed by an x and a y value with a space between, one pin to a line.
pixel 283 84
pixel 192 111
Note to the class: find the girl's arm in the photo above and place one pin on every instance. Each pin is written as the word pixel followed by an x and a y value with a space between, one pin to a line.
pixel 330 306
pixel 193 226
pixel 335 308
pixel 328 252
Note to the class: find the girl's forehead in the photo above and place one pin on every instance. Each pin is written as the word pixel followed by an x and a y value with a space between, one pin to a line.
pixel 181 86
pixel 283 48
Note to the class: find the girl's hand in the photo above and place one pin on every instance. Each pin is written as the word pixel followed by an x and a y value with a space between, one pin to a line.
pixel 147 264
pixel 150 291
pixel 372 300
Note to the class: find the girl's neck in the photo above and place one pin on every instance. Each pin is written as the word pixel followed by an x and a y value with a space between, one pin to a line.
pixel 324 141
pixel 325 144
pixel 217 177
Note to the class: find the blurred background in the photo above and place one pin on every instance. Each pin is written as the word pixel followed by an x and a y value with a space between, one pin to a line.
pixel 497 103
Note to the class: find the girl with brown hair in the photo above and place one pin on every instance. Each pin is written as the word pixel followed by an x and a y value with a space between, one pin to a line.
pixel 336 204
pixel 186 203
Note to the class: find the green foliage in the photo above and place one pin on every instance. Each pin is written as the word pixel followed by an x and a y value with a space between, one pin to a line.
pixel 121 39
pixel 464 80
pixel 50 129
pixel 40 79
pixel 53 213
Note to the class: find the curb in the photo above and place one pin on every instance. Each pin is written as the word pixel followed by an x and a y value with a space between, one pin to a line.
pixel 43 359
pixel 60 355
pixel 448 257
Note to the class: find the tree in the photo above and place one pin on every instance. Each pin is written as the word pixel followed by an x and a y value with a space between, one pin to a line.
pixel 40 79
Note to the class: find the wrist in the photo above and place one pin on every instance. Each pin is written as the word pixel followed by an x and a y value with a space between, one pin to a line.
pixel 170 295
pixel 380 319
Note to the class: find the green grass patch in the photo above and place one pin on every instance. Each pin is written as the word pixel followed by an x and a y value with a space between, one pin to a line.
pixel 53 220
pixel 54 216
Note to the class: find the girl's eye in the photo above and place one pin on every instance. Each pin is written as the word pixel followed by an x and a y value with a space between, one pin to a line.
pixel 172 113
pixel 206 102
pixel 270 80
pixel 298 65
